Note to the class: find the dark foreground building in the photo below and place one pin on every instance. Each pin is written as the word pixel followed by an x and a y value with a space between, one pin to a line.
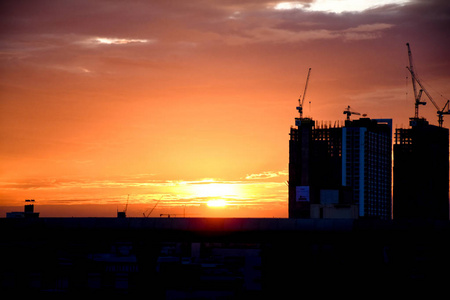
pixel 28 211
pixel 214 258
pixel 340 171
pixel 421 172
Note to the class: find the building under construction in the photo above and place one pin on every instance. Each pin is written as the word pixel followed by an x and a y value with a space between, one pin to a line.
pixel 340 171
pixel 421 172
pixel 421 161
pixel 315 154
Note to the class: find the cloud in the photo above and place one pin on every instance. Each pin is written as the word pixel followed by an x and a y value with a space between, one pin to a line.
pixel 279 35
pixel 365 31
pixel 233 22
pixel 84 183
pixel 268 25
pixel 266 175
pixel 337 6
pixel 71 69
pixel 117 41
pixel 144 189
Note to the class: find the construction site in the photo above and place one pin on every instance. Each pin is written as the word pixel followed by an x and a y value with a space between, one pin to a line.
pixel 345 169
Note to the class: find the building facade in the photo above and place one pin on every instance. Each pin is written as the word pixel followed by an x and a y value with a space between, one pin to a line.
pixel 314 166
pixel 366 165
pixel 421 172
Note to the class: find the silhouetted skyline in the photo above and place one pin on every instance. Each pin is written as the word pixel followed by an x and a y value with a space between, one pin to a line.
pixel 193 100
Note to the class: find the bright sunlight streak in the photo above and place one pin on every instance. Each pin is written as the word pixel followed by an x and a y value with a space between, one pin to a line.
pixel 115 41
pixel 217 203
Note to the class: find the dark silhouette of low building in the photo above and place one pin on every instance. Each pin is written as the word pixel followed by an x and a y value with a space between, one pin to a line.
pixel 421 172
pixel 28 211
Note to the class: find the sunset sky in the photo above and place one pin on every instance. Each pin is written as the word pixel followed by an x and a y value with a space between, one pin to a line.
pixel 189 103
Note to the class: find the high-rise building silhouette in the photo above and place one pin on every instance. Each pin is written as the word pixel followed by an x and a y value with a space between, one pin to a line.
pixel 421 172
pixel 314 165
pixel 366 165
pixel 340 171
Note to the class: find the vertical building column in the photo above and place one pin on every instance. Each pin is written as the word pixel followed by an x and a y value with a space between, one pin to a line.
pixel 344 156
pixel 362 134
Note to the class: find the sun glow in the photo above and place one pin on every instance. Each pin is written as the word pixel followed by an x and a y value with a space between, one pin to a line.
pixel 210 188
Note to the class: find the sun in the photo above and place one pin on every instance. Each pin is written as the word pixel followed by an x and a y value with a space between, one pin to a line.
pixel 217 203
pixel 211 189
pixel 216 193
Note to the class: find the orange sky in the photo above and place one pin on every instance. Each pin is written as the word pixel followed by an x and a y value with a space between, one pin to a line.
pixel 193 100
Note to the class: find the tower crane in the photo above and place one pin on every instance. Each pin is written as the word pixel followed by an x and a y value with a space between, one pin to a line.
pixel 348 112
pixel 301 99
pixel 417 95
pixel 146 216
pixel 440 112
pixel 123 214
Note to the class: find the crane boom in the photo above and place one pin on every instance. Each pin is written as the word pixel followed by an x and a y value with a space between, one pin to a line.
pixel 306 86
pixel 423 88
pixel 413 76
pixel 153 208
pixel 126 206
pixel 302 99
pixel 411 68
pixel 348 112
pixel 448 109
pixel 440 112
